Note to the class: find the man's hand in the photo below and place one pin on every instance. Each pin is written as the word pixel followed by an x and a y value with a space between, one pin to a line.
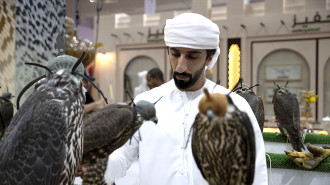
pixel 311 159
pixel 94 106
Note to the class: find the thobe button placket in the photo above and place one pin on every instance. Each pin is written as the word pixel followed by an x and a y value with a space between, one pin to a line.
pixel 182 173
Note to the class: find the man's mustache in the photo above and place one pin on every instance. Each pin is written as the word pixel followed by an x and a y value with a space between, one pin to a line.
pixel 181 74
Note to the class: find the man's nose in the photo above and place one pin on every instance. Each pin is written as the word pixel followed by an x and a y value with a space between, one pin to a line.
pixel 182 64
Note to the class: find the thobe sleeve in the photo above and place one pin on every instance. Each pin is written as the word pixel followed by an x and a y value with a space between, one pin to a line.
pixel 121 159
pixel 260 173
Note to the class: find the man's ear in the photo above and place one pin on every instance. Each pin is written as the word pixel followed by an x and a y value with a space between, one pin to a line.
pixel 209 60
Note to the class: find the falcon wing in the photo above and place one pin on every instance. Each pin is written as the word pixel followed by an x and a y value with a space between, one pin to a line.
pixel 224 148
pixel 6 114
pixel 257 107
pixel 95 173
pixel 250 147
pixel 106 130
pixel 296 113
pixel 196 144
pixel 286 110
pixel 33 148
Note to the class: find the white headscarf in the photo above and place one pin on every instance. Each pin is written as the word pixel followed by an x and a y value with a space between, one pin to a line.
pixel 191 30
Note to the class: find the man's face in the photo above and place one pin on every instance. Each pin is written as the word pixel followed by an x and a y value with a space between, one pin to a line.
pixel 85 83
pixel 151 82
pixel 188 67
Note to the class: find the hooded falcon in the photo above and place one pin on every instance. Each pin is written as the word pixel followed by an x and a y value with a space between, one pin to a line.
pixel 108 129
pixel 43 144
pixel 254 101
pixel 286 109
pixel 223 143
pixel 6 111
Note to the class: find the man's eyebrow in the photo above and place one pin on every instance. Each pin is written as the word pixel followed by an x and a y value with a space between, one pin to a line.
pixel 193 52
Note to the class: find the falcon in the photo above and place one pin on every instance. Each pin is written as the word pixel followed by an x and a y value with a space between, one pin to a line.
pixel 286 109
pixel 44 142
pixel 253 100
pixel 6 111
pixel 223 143
pixel 108 129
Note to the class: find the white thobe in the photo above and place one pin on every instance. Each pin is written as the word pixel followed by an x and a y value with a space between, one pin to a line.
pixel 163 157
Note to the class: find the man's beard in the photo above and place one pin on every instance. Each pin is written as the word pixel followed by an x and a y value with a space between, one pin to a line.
pixel 181 84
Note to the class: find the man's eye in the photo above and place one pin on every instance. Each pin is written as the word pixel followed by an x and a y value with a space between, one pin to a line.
pixel 176 54
pixel 192 57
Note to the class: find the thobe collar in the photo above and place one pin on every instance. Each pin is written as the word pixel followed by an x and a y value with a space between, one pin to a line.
pixel 190 95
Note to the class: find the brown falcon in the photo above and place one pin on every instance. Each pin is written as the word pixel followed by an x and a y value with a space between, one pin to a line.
pixel 223 143
pixel 108 129
pixel 254 101
pixel 43 144
pixel 286 109
pixel 6 111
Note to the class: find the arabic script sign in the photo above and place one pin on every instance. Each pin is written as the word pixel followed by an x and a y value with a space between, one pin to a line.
pixel 316 19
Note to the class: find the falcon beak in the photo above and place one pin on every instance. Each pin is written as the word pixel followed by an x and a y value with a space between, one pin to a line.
pixel 210 114
pixel 155 120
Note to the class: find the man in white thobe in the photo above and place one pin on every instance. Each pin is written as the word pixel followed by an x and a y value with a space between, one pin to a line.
pixel 193 45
